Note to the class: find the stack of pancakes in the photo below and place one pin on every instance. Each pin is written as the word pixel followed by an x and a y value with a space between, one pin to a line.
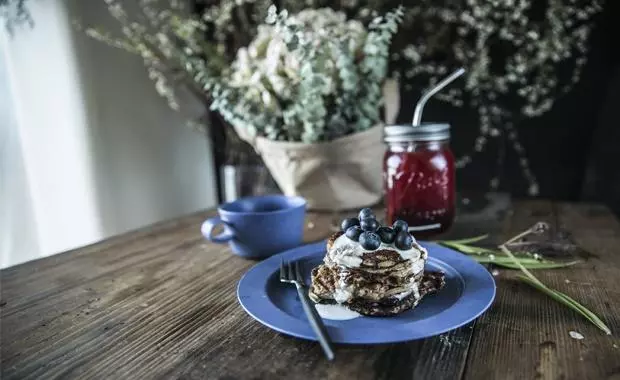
pixel 374 283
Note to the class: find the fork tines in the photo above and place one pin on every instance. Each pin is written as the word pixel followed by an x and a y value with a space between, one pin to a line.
pixel 291 272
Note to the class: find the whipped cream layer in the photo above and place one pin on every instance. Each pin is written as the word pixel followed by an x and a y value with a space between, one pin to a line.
pixel 348 253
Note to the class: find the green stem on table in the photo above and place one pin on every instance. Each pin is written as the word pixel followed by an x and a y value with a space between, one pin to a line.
pixel 487 256
pixel 528 263
pixel 468 249
pixel 518 236
pixel 568 301
pixel 464 241
pixel 518 264
pixel 531 280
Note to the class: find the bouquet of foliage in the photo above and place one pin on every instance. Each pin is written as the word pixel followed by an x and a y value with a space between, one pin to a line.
pixel 309 77
pixel 312 76
pixel 306 93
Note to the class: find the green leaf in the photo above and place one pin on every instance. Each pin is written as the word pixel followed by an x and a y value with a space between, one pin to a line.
pixel 464 241
pixel 468 249
pixel 528 263
pixel 568 301
pixel 516 261
pixel 487 256
pixel 531 280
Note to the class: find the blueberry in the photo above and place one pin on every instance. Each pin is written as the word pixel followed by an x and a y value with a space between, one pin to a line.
pixel 370 240
pixel 400 225
pixel 348 223
pixel 353 233
pixel 403 240
pixel 386 234
pixel 369 224
pixel 366 213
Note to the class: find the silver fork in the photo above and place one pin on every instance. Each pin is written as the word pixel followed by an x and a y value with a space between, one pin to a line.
pixel 291 273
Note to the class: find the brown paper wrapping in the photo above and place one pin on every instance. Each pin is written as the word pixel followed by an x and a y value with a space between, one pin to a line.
pixel 342 174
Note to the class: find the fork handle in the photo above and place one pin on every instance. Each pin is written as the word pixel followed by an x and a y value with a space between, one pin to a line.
pixel 316 322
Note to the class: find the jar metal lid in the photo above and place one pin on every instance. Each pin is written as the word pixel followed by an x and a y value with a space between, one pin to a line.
pixel 410 133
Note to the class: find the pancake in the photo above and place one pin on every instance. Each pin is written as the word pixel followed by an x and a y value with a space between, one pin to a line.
pixel 431 283
pixel 380 282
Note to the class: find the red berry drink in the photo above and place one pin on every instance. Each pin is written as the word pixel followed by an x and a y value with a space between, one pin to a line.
pixel 419 178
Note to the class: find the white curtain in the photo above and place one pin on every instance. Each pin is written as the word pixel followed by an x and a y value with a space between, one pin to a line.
pixel 17 226
pixel 89 149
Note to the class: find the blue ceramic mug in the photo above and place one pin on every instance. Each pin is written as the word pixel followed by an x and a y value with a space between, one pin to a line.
pixel 257 227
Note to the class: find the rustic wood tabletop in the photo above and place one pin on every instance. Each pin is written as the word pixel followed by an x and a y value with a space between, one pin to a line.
pixel 161 303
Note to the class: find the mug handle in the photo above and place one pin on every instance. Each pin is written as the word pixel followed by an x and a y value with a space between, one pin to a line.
pixel 207 230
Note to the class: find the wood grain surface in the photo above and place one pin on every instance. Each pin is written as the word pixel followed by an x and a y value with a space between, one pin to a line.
pixel 525 334
pixel 160 303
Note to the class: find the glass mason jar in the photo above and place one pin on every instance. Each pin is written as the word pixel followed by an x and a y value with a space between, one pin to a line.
pixel 418 172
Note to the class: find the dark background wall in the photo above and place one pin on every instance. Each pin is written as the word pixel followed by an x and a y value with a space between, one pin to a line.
pixel 574 149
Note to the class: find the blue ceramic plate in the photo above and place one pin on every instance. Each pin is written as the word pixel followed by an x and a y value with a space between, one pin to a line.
pixel 469 291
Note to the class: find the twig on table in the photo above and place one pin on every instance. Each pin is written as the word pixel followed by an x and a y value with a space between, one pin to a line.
pixel 524 264
pixel 531 280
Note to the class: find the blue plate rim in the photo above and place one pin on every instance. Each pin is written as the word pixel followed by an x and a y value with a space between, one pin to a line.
pixel 478 294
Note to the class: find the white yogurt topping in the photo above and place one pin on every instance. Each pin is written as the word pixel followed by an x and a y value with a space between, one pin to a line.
pixel 414 289
pixel 417 265
pixel 348 253
pixel 344 254
pixel 341 293
pixel 336 312
pixel 402 295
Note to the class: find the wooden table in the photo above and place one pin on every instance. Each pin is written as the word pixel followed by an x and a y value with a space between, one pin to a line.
pixel 160 303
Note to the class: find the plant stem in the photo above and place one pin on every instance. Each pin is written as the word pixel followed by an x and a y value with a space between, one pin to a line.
pixel 518 237
pixel 517 263
pixel 568 301
pixel 464 241
pixel 530 279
